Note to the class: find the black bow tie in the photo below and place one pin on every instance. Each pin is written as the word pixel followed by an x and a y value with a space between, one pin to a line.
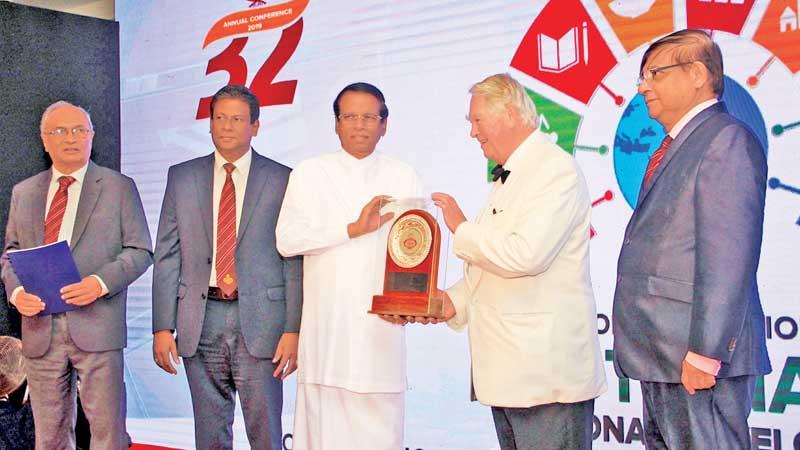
pixel 500 173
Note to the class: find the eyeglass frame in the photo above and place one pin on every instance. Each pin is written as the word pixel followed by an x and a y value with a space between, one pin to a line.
pixel 79 132
pixel 235 120
pixel 656 70
pixel 368 118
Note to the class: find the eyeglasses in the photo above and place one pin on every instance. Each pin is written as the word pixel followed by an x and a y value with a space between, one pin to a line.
pixel 370 119
pixel 61 132
pixel 649 74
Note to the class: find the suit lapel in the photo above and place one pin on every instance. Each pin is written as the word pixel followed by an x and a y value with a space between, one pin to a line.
pixel 204 183
pixel 497 197
pixel 473 274
pixel 90 192
pixel 678 145
pixel 39 205
pixel 257 179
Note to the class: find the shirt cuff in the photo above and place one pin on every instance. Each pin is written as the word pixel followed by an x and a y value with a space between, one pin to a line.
pixel 13 298
pixel 103 286
pixel 707 365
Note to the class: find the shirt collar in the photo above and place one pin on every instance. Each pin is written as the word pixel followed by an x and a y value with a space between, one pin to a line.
pixel 353 162
pixel 242 164
pixel 79 175
pixel 673 133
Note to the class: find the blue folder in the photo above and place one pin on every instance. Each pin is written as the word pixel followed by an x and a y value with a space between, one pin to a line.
pixel 43 271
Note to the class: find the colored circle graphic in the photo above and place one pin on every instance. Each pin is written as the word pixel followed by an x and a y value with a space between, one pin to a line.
pixel 565 61
pixel 638 136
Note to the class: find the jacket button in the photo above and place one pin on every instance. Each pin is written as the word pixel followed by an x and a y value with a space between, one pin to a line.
pixel 203 296
pixel 627 241
pixel 209 260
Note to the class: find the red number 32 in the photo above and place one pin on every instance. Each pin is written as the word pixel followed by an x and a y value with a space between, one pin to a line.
pixel 268 92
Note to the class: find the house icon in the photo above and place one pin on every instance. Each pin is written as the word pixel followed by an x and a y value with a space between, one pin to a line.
pixel 789 19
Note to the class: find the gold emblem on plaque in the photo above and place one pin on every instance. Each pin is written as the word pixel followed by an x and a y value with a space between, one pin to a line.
pixel 410 241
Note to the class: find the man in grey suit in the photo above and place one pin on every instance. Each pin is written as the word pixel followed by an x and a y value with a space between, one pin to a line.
pixel 688 321
pixel 99 212
pixel 220 284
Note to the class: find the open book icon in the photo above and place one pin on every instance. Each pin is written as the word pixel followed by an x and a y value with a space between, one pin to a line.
pixel 558 55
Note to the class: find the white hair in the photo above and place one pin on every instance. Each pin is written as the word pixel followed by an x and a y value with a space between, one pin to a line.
pixel 501 90
pixel 61 104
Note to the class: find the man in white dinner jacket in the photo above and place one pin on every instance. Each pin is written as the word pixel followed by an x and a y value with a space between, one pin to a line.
pixel 526 293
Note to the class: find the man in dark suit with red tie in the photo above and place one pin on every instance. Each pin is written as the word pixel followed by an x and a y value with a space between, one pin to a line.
pixel 99 213
pixel 232 302
pixel 688 322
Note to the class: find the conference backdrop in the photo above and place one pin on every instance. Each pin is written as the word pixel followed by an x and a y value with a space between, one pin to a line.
pixel 578 59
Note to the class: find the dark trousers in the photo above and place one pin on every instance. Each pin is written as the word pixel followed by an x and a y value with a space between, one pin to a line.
pixel 223 368
pixel 554 426
pixel 711 419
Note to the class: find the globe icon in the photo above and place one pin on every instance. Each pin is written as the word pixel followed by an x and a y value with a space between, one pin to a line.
pixel 638 136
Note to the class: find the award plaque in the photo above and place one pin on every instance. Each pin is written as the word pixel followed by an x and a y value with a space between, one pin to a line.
pixel 412 263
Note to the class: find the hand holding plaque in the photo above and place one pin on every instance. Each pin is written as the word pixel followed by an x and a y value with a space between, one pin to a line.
pixel 412 268
pixel 448 312
pixel 370 218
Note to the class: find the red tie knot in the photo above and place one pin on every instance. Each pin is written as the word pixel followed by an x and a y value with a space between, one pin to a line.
pixel 229 167
pixel 65 181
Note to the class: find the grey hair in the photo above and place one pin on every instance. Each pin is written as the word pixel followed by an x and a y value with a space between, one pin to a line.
pixel 501 90
pixel 61 104
pixel 693 45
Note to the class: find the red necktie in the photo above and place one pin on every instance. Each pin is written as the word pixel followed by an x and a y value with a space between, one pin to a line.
pixel 655 160
pixel 55 215
pixel 226 235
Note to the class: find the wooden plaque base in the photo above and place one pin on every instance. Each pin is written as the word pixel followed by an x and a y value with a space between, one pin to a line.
pixel 412 291
pixel 405 305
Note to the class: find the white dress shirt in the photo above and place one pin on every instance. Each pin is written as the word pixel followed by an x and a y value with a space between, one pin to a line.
pixel 73 195
pixel 700 107
pixel 239 176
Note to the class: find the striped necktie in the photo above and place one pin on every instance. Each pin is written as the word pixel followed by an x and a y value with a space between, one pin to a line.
pixel 55 215
pixel 655 160
pixel 226 235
